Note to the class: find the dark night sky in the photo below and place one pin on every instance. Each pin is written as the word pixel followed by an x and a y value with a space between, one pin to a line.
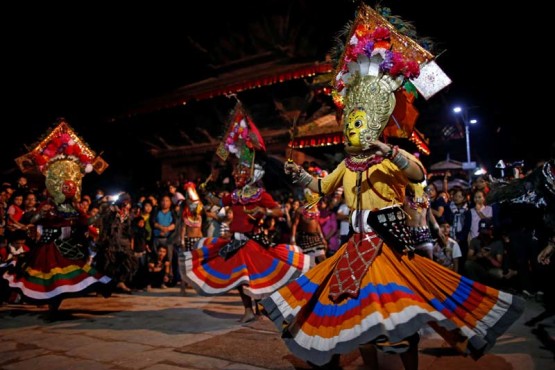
pixel 89 64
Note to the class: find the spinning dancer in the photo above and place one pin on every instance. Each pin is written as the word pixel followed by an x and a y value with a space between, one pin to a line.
pixel 249 261
pixel 58 267
pixel 375 290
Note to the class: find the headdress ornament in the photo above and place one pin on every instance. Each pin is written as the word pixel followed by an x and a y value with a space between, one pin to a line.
pixel 193 204
pixel 378 57
pixel 63 157
pixel 243 139
pixel 61 143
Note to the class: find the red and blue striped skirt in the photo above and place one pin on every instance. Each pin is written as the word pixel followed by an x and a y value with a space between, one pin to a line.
pixel 260 270
pixel 398 295
pixel 50 276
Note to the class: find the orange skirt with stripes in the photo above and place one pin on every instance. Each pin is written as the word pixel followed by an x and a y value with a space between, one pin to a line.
pixel 398 296
pixel 260 270
pixel 50 276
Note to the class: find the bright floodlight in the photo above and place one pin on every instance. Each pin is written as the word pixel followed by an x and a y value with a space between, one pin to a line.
pixel 457 109
pixel 473 121
pixel 480 171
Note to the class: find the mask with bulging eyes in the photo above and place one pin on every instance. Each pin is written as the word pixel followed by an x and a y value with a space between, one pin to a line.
pixel 356 127
pixel 369 102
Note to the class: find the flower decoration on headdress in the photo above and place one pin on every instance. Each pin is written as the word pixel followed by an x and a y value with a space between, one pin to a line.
pixel 242 137
pixel 375 57
pixel 61 143
pixel 376 47
pixel 374 42
pixel 63 158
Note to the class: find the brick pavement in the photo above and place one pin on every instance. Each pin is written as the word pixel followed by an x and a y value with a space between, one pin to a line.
pixel 155 330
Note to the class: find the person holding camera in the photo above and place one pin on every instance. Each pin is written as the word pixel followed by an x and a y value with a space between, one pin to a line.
pixel 485 255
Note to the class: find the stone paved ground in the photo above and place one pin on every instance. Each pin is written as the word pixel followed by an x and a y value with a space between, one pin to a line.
pixel 158 331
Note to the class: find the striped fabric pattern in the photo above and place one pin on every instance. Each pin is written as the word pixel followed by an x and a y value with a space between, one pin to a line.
pixel 50 275
pixel 261 270
pixel 398 296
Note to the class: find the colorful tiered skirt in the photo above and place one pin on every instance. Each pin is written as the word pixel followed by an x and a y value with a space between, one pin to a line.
pixel 398 295
pixel 260 270
pixel 49 276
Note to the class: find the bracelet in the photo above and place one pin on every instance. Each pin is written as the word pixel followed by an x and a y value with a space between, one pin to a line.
pixel 400 161
pixel 302 178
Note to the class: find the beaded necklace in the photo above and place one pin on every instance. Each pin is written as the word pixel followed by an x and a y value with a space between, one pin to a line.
pixel 246 195
pixel 311 213
pixel 192 221
pixel 418 202
pixel 362 162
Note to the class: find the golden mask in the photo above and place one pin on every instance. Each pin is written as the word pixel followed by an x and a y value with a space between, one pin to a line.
pixel 369 103
pixel 63 176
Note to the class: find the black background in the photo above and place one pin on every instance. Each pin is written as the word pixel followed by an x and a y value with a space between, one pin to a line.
pixel 89 62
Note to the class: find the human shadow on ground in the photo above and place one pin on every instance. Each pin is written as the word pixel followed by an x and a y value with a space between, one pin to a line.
pixel 545 338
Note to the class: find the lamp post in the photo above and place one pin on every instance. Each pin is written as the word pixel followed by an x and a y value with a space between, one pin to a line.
pixel 468 165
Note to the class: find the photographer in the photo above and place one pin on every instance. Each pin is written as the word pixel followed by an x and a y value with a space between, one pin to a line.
pixel 485 256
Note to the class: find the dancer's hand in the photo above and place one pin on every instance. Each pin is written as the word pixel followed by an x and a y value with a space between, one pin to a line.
pixel 379 148
pixel 202 187
pixel 290 167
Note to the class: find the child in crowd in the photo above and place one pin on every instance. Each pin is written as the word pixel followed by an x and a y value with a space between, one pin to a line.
pixel 159 269
pixel 446 250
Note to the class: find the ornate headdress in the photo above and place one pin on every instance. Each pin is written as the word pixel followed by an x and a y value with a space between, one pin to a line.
pixel 376 60
pixel 242 139
pixel 63 157
pixel 61 143
pixel 193 204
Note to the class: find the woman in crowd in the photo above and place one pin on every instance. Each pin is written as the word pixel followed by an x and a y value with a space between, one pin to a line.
pixel 306 231
pixel 420 219
pixel 190 228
